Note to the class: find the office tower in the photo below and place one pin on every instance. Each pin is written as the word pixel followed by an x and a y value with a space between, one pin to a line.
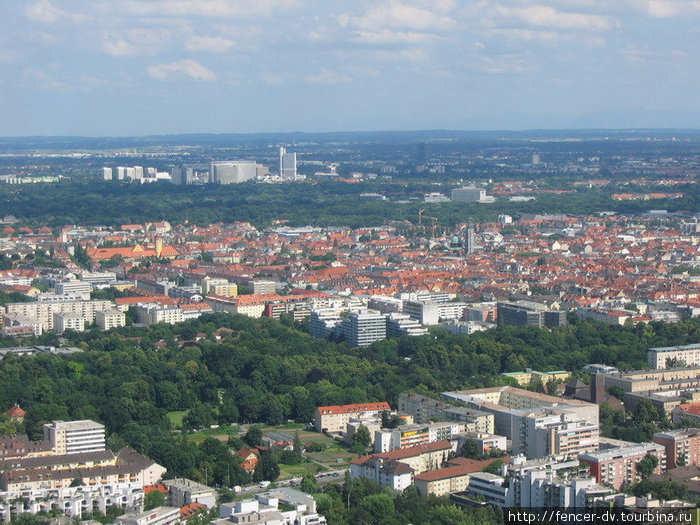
pixel 288 165
pixel 232 172
pixel 469 241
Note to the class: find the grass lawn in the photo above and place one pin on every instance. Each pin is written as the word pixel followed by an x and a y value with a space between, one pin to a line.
pixel 176 418
pixel 222 434
pixel 297 471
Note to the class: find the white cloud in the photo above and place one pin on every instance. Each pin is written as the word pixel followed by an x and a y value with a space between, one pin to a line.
pixel 137 42
pixel 44 81
pixel 388 37
pixel 394 14
pixel 45 12
pixel 672 8
pixel 212 44
pixel 547 16
pixel 189 68
pixel 506 63
pixel 208 8
pixel 326 76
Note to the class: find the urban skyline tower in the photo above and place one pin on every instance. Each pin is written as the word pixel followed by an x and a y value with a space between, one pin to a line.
pixel 288 164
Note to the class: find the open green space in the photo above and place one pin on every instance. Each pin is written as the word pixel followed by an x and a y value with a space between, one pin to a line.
pixel 175 418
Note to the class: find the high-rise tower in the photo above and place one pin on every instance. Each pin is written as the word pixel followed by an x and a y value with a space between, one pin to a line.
pixel 288 165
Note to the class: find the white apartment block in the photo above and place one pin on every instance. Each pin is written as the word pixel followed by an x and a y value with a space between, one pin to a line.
pixel 109 319
pixel 662 356
pixel 73 287
pixel 154 314
pixel 63 322
pixel 412 435
pixel 157 516
pixel 72 437
pixel 43 313
pixel 72 501
pixel 263 287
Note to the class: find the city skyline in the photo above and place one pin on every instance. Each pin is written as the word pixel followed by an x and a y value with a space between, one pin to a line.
pixel 222 66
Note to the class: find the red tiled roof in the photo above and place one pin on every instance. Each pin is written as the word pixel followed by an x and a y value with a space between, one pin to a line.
pixel 189 510
pixel 16 411
pixel 351 409
pixel 151 488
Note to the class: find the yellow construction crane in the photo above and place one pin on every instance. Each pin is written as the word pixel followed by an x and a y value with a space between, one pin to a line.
pixel 420 217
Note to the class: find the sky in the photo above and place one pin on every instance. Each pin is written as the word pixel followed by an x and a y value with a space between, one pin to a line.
pixel 142 67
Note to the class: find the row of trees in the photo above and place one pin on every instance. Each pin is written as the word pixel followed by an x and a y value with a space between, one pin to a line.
pixel 328 203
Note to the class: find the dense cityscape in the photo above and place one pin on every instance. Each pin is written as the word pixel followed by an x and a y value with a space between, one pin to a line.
pixel 352 328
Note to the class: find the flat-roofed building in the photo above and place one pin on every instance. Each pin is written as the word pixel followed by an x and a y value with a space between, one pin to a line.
pixel 335 418
pixel 424 409
pixel 507 404
pixel 670 356
pixel 157 516
pixel 414 434
pixel 682 446
pixel 68 321
pixel 71 437
pixel 617 467
pixel 182 491
pixel 108 319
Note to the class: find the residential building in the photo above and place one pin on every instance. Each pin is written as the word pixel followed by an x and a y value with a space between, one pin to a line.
pixel 491 487
pixel 617 467
pixel 183 492
pixel 528 313
pixel 155 313
pixel 484 441
pixel 363 328
pixel 410 435
pixel 335 418
pixel 547 432
pixel 323 321
pixel 672 356
pixel 508 405
pixel 687 411
pixel 157 516
pixel 108 319
pixel 68 321
pixel 263 287
pixel 399 325
pixel 42 313
pixel 72 437
pixel 682 446
pixel 424 409
pixel 396 468
pixel 73 287
pixel 265 509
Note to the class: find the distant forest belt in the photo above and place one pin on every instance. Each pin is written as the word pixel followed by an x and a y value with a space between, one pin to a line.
pixel 326 204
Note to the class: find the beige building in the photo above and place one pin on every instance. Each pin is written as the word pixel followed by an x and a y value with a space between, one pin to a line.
pixel 68 321
pixel 157 516
pixel 71 437
pixel 442 481
pixel 336 418
pixel 425 409
pixel 43 313
pixel 109 319
pixel 670 356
